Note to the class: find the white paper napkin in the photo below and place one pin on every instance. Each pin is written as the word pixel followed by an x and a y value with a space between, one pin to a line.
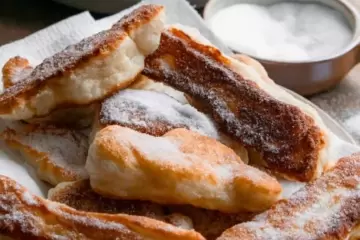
pixel 36 47
pixel 54 38
pixel 48 41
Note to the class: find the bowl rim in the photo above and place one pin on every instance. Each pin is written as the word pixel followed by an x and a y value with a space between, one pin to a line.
pixel 354 44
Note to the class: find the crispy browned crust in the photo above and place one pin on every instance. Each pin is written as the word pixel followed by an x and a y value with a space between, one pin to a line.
pixel 78 117
pixel 140 16
pixel 14 67
pixel 239 57
pixel 75 56
pixel 60 64
pixel 328 208
pixel 26 216
pixel 286 138
pixel 210 224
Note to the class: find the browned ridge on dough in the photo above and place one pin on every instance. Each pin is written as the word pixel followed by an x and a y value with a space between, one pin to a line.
pixel 73 56
pixel 138 17
pixel 287 140
pixel 209 223
pixel 61 64
pixel 328 208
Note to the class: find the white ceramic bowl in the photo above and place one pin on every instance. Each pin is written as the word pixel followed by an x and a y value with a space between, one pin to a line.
pixel 308 77
pixel 348 9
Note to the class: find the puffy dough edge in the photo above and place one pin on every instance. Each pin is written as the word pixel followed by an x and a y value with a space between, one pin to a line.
pixel 91 75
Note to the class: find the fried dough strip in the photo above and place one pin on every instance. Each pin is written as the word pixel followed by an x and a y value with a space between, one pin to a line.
pixel 210 224
pixel 180 167
pixel 25 216
pixel 287 140
pixel 328 208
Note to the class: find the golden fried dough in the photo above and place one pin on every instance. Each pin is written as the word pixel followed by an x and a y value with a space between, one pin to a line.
pixel 288 135
pixel 26 216
pixel 181 167
pixel 157 113
pixel 16 69
pixel 328 208
pixel 88 71
pixel 57 154
pixel 209 223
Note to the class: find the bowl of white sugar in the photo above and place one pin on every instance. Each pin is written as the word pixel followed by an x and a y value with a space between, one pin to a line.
pixel 306 46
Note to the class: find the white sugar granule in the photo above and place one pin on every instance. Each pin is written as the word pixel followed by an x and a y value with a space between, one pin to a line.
pixel 29 199
pixel 148 109
pixel 64 147
pixel 282 31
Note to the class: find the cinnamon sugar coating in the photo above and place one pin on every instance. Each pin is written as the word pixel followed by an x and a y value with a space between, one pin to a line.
pixel 328 208
pixel 287 140
pixel 88 71
pixel 210 224
pixel 26 216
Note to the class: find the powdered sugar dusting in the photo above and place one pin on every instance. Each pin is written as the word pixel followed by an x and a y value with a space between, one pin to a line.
pixel 156 113
pixel 64 148
pixel 24 216
pixel 247 112
pixel 20 73
pixel 29 199
pixel 149 110
pixel 328 207
pixel 194 166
